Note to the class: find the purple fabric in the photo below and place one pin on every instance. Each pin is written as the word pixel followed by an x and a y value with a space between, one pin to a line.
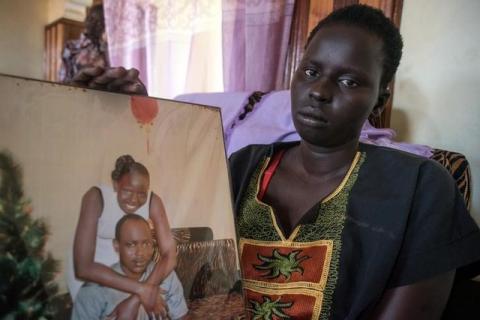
pixel 129 25
pixel 385 137
pixel 230 104
pixel 270 121
pixel 255 41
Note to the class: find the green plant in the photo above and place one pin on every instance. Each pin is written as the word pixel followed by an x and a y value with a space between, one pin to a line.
pixel 27 273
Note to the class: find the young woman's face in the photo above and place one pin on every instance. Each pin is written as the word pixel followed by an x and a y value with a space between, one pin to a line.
pixel 337 85
pixel 132 191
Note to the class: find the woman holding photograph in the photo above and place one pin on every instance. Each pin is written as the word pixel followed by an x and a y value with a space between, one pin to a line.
pixel 330 228
pixel 93 253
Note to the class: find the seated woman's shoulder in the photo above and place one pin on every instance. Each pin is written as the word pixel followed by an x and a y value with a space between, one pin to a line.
pixel 402 163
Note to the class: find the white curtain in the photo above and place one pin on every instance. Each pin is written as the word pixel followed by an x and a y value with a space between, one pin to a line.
pixel 176 44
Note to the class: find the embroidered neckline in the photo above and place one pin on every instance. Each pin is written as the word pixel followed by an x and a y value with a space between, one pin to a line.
pixel 327 198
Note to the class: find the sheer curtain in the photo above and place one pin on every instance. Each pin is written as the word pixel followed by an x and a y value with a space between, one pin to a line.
pixel 176 44
pixel 183 46
pixel 255 42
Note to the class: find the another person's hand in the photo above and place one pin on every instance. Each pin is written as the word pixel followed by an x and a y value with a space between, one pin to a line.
pixel 111 79
pixel 148 295
pixel 161 310
pixel 126 310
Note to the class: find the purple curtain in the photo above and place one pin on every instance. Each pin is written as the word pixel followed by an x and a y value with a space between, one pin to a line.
pixel 255 42
pixel 174 43
pixel 129 25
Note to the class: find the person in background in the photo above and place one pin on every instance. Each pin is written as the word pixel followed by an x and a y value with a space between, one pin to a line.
pixel 135 247
pixel 90 50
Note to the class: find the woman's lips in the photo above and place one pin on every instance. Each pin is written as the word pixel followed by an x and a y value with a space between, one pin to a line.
pixel 312 119
pixel 131 207
pixel 140 264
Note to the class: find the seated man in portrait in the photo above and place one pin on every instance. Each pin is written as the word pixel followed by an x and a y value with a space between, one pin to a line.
pixel 134 244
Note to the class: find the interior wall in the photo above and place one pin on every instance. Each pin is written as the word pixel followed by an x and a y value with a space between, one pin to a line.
pixel 56 9
pixel 71 9
pixel 437 96
pixel 21 37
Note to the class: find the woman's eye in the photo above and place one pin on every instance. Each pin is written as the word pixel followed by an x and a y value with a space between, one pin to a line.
pixel 126 192
pixel 311 73
pixel 147 244
pixel 348 83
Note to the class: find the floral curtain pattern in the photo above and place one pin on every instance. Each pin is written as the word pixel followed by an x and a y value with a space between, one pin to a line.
pixel 176 44
pixel 255 42
pixel 183 46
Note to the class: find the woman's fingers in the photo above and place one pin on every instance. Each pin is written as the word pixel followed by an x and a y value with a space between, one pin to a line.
pixel 112 79
pixel 84 76
pixel 134 88
pixel 132 75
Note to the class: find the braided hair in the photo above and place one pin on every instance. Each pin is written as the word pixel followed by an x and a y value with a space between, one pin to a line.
pixel 126 164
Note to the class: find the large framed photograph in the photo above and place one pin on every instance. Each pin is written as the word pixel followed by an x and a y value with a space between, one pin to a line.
pixel 115 177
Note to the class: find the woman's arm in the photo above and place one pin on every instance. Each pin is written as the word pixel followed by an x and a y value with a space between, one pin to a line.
pixel 84 249
pixel 166 244
pixel 422 300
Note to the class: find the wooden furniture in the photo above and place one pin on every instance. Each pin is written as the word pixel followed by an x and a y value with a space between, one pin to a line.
pixel 57 34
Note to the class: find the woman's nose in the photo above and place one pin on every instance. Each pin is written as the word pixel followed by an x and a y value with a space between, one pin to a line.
pixel 321 91
pixel 134 198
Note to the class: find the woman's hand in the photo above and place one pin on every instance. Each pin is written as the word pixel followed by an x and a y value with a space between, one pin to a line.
pixel 110 79
pixel 126 310
pixel 161 310
pixel 148 294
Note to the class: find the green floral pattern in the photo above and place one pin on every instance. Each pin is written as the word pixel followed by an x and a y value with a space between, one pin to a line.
pixel 255 222
pixel 267 309
pixel 278 264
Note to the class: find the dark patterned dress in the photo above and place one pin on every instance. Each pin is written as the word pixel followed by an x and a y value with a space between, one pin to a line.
pixel 396 219
pixel 82 53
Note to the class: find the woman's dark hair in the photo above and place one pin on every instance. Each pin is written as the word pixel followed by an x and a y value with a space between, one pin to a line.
pixel 95 24
pixel 374 21
pixel 126 164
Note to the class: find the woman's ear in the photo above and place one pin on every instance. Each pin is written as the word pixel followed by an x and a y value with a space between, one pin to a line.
pixel 382 100
pixel 116 245
pixel 115 185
